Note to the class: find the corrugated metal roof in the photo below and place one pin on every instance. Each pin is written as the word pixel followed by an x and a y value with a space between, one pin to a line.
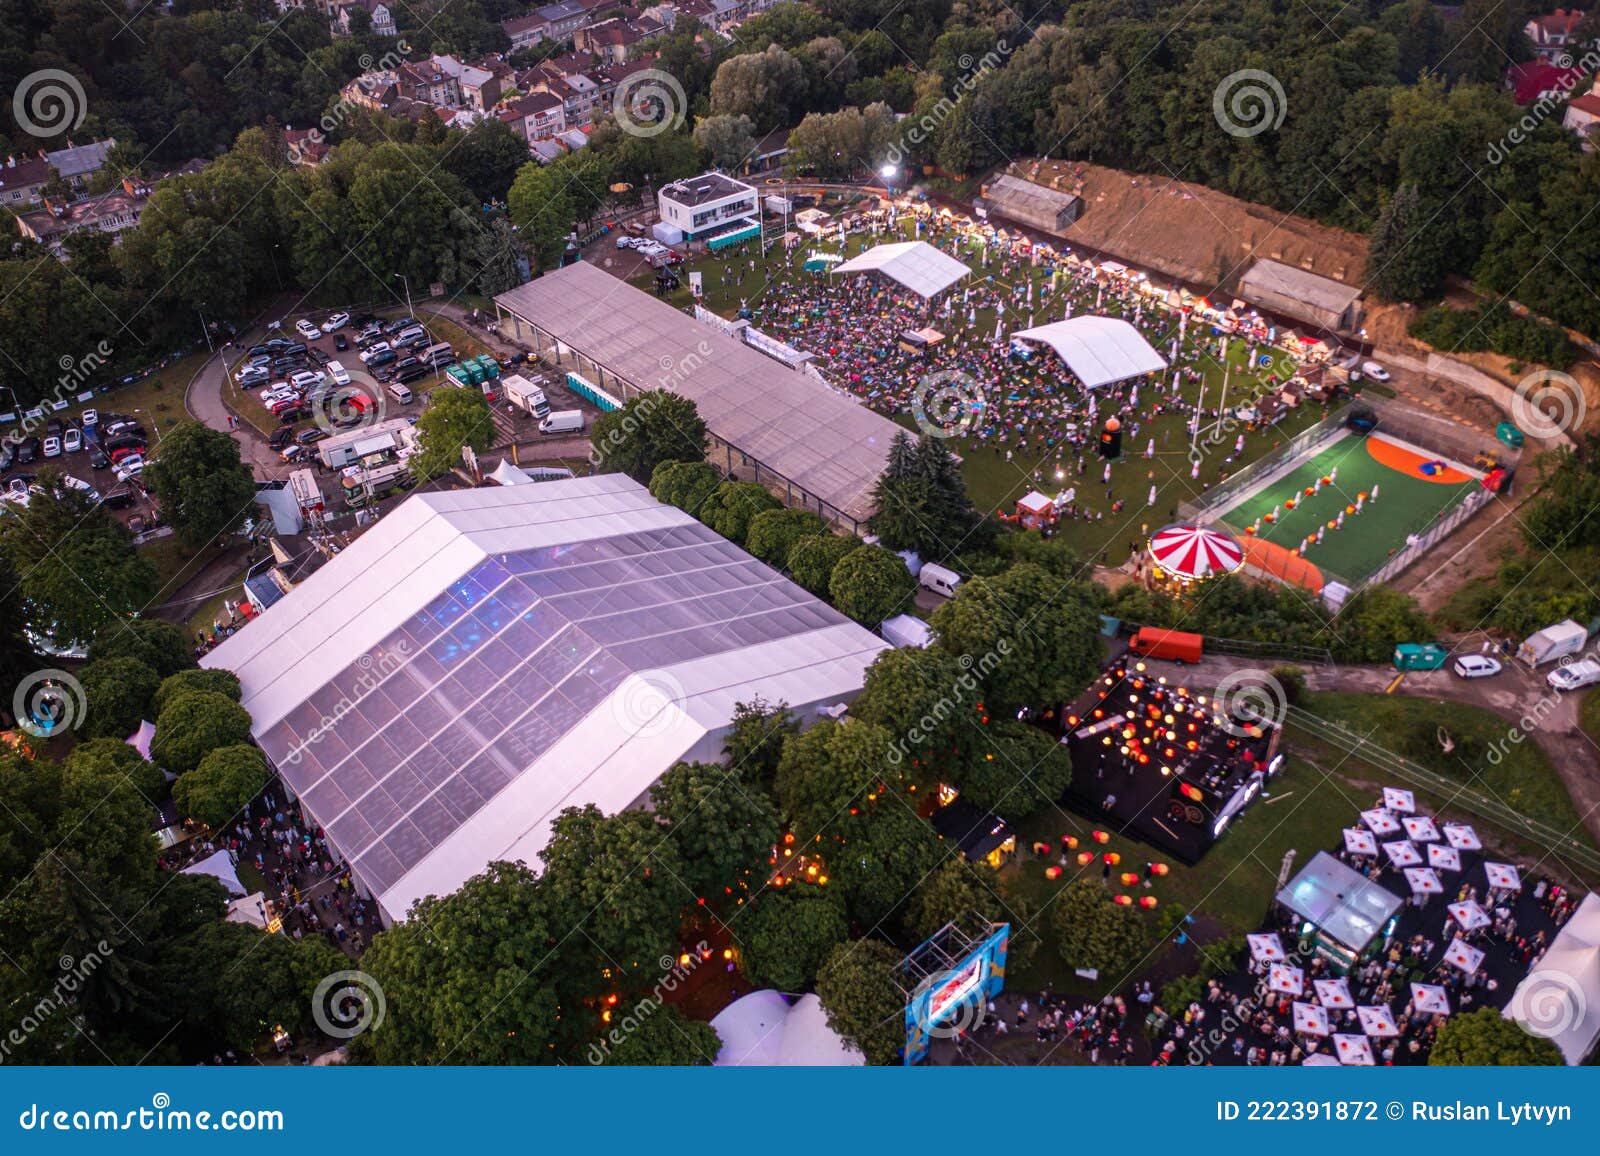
pixel 1298 284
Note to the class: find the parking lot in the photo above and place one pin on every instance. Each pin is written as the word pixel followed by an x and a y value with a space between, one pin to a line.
pixel 96 451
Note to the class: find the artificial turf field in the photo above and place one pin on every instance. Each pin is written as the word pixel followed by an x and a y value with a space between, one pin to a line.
pixel 1407 501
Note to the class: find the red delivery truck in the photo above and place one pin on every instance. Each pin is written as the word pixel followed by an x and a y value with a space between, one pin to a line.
pixel 1176 645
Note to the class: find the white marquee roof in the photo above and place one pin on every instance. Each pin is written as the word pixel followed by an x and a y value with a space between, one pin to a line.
pixel 763 1029
pixel 922 268
pixel 1560 998
pixel 481 659
pixel 1100 350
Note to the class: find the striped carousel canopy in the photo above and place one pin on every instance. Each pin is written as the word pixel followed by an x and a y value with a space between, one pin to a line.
pixel 1195 552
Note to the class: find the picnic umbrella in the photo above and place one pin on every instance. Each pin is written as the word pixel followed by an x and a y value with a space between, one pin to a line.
pixel 1430 998
pixel 1462 837
pixel 1289 980
pixel 1377 1021
pixel 1503 876
pixel 1402 853
pixel 1424 881
pixel 1397 800
pixel 1380 822
pixel 1443 858
pixel 1317 1060
pixel 1355 1051
pixel 1266 948
pixel 1334 993
pixel 1462 954
pixel 1469 914
pixel 1359 842
pixel 1420 828
pixel 1311 1019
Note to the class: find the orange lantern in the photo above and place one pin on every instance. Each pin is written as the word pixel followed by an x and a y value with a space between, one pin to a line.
pixel 1052 873
pixel 1159 868
pixel 1129 878
pixel 1070 842
pixel 1123 900
pixel 1113 858
pixel 1100 836
pixel 1148 902
pixel 1085 858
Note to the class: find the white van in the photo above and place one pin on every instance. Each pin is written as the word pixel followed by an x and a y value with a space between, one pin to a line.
pixel 1575 676
pixel 400 393
pixel 340 375
pixel 939 580
pixel 563 421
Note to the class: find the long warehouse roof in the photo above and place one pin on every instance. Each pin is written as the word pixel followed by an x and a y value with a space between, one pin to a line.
pixel 822 440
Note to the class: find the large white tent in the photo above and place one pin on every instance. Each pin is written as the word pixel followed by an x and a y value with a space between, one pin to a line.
pixel 922 268
pixel 1099 350
pixel 1560 998
pixel 218 865
pixel 763 1029
pixel 481 659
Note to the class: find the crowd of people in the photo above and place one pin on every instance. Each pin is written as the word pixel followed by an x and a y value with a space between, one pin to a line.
pixel 307 889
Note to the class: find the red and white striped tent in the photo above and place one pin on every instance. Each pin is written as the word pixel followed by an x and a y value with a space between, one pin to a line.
pixel 1194 552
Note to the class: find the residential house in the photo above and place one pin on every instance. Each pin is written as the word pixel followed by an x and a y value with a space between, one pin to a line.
pixel 77 163
pixel 534 117
pixel 1583 113
pixel 307 147
pixel 610 39
pixel 382 16
pixel 1554 34
pixel 1536 80
pixel 474 87
pixel 114 212
pixel 22 180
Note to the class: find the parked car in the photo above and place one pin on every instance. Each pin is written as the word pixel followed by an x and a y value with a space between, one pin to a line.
pixel 339 343
pixel 280 437
pixel 120 498
pixel 98 459
pixel 122 453
pixel 129 467
pixel 337 371
pixel 292 452
pixel 1375 371
pixel 1575 676
pixel 370 333
pixel 399 323
pixel 253 375
pixel 305 379
pixel 374 350
pixel 382 357
pixel 19 484
pixel 319 357
pixel 123 427
pixel 307 330
pixel 90 417
pixel 1475 666
pixel 52 447
pixel 277 392
pixel 307 437
pixel 72 440
pixel 295 411
pixel 335 321
pixel 28 450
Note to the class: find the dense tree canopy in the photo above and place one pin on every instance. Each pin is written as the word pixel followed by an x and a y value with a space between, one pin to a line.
pixel 723 823
pixel 787 933
pixel 650 428
pixel 1486 1039
pixel 203 485
pixel 862 995
pixel 456 416
pixel 193 725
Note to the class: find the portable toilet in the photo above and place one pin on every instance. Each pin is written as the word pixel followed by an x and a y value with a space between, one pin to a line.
pixel 490 367
pixel 459 375
pixel 475 374
pixel 1419 656
pixel 1510 434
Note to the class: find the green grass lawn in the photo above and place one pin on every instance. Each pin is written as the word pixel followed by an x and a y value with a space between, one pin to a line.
pixel 995 483
pixel 1521 777
pixel 1405 505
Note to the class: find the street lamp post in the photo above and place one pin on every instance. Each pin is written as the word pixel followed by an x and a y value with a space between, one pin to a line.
pixel 404 280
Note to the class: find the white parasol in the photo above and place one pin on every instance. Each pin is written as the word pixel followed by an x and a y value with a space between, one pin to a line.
pixel 1402 853
pixel 1462 837
pixel 1311 1019
pixel 1420 828
pixel 1266 948
pixel 1462 954
pixel 1503 876
pixel 1317 1060
pixel 1424 881
pixel 1397 800
pixel 1355 1051
pixel 1469 915
pixel 1430 998
pixel 1443 858
pixel 1359 842
pixel 1377 1021
pixel 1289 980
pixel 1380 822
pixel 1334 993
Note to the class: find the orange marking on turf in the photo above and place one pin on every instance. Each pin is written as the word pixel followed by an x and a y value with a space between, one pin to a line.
pixel 1271 558
pixel 1409 462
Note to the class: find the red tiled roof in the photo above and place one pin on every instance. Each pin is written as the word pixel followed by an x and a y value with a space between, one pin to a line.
pixel 1587 103
pixel 1533 79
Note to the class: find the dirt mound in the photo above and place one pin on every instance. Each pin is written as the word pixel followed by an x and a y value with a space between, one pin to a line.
pixel 1192 232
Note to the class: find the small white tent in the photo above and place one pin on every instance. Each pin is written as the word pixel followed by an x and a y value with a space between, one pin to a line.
pixel 218 865
pixel 764 1030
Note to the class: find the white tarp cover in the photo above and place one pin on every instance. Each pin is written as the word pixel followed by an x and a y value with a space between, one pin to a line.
pixel 1380 822
pixel 141 739
pixel 1503 876
pixel 1560 998
pixel 1462 837
pixel 1289 980
pixel 1424 881
pixel 1334 993
pixel 922 268
pixel 1359 842
pixel 1311 1019
pixel 764 1030
pixel 1100 350
pixel 218 865
pixel 906 630
pixel 1469 914
pixel 1266 948
pixel 1443 858
pixel 252 909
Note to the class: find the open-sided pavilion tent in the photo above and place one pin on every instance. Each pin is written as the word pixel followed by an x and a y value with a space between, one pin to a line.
pixel 1099 350
pixel 824 446
pixel 481 659
pixel 1339 901
pixel 922 268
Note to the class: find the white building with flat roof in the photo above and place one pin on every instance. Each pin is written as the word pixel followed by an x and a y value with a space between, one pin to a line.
pixel 703 206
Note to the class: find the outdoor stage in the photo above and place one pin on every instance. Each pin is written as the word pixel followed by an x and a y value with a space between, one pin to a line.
pixel 1161 763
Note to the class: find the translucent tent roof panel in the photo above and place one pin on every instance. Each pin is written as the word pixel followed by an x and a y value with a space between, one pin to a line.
pixel 510 674
pixel 922 268
pixel 1099 350
pixel 1342 902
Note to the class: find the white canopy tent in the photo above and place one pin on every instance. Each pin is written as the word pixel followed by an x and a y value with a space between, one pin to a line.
pixel 922 268
pixel 763 1029
pixel 218 865
pixel 1560 998
pixel 508 474
pixel 1100 350
pixel 1334 993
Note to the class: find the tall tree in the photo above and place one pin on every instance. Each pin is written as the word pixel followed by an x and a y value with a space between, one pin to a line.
pixel 456 416
pixel 653 427
pixel 723 823
pixel 202 483
pixel 860 990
